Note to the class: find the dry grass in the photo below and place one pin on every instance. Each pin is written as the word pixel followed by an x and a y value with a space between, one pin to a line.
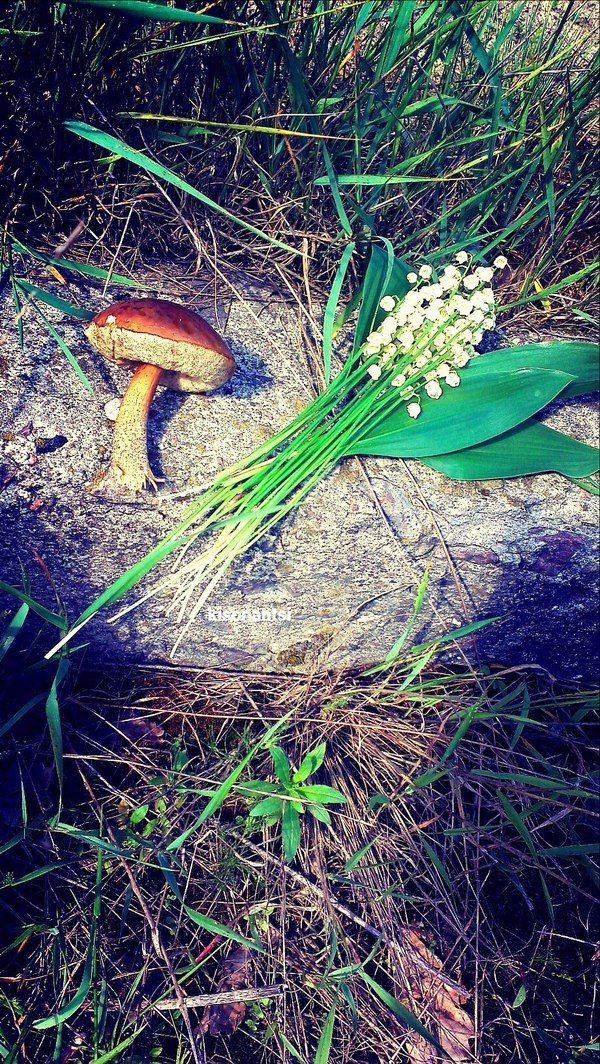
pixel 445 868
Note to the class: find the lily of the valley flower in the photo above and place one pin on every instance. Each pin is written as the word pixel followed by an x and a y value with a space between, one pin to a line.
pixel 433 330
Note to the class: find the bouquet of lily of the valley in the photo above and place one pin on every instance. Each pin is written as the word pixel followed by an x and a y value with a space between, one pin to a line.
pixel 414 386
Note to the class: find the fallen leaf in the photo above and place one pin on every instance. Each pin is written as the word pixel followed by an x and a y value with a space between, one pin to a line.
pixel 224 1019
pixel 445 1018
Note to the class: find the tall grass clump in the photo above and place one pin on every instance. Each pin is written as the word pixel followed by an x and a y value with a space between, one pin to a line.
pixel 439 125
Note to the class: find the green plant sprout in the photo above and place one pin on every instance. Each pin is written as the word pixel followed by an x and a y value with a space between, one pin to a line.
pixel 288 799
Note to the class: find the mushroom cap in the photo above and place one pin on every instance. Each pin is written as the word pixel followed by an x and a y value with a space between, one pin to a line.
pixel 193 356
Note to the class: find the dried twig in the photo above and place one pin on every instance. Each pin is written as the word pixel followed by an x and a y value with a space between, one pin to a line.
pixel 197 1001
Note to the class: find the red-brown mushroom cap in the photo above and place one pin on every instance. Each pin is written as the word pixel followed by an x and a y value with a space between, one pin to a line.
pixel 193 357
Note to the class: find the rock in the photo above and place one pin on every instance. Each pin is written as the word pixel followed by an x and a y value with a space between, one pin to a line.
pixel 335 583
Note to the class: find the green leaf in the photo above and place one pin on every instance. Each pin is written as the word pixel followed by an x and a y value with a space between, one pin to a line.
pixel 393 654
pixel 117 1051
pixel 519 824
pixel 317 792
pixel 290 831
pixel 257 785
pixel 139 814
pixel 44 870
pixel 21 712
pixel 268 807
pixel 485 405
pixel 385 275
pixel 280 764
pixel 223 790
pixel 578 358
pixel 436 862
pixel 310 763
pixel 320 814
pixel 59 340
pixel 125 151
pixel 529 448
pixel 117 589
pixel 520 997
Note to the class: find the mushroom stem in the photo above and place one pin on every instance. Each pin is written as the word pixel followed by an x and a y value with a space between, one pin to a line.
pixel 129 471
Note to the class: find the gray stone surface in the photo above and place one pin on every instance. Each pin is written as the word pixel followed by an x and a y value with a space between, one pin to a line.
pixel 345 566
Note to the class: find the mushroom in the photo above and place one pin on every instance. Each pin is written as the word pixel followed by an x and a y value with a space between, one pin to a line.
pixel 164 344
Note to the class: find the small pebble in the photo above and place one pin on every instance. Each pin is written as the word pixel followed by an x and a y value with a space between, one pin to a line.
pixel 111 409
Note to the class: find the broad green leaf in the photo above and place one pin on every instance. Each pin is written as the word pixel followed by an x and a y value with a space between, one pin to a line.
pixel 320 814
pixel 139 814
pixel 280 764
pixel 268 807
pixel 529 448
pixel 290 831
pixel 228 783
pixel 318 792
pixel 385 275
pixel 579 358
pixel 520 997
pixel 125 151
pixel 310 763
pixel 483 406
pixel 257 785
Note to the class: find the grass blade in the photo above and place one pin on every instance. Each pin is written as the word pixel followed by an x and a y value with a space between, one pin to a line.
pixel 67 1011
pixel 324 1046
pixel 155 12
pixel 402 1013
pixel 133 155
pixel 332 301
pixel 13 628
pixel 54 724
